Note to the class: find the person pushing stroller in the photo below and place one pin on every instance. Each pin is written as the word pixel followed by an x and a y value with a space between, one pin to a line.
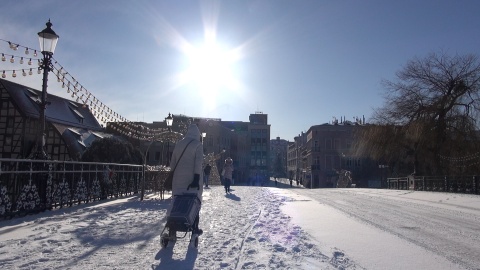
pixel 188 175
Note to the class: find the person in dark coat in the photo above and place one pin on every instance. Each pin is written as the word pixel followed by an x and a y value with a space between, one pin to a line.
pixel 206 175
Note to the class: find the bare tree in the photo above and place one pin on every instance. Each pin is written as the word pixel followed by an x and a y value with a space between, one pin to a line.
pixel 430 115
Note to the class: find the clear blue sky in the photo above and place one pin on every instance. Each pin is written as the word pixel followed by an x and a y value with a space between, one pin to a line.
pixel 300 62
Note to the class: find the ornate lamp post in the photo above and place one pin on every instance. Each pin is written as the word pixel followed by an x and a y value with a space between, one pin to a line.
pixel 169 121
pixel 48 41
pixel 161 137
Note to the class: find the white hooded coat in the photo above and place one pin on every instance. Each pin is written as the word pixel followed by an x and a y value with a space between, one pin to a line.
pixel 189 164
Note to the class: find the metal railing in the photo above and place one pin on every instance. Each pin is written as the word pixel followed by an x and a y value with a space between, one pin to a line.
pixel 30 186
pixel 155 177
pixel 456 184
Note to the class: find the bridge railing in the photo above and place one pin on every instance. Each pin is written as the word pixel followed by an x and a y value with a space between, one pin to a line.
pixel 457 184
pixel 155 177
pixel 28 186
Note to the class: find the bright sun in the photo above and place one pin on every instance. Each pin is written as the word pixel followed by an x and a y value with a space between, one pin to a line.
pixel 210 68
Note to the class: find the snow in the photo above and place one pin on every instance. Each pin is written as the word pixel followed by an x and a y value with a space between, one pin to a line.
pixel 252 228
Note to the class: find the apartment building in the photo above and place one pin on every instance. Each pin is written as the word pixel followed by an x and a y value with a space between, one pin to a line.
pixel 317 156
pixel 278 157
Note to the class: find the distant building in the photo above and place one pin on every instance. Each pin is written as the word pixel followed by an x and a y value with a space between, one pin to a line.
pixel 296 160
pixel 317 156
pixel 70 126
pixel 278 157
pixel 247 143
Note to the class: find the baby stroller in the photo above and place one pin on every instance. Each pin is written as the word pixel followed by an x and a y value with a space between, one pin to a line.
pixel 185 210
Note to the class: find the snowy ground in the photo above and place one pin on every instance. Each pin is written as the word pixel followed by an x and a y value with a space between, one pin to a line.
pixel 253 228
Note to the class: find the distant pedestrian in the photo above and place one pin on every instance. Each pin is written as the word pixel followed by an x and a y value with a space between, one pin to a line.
pixel 227 174
pixel 206 175
pixel 291 183
pixel 275 181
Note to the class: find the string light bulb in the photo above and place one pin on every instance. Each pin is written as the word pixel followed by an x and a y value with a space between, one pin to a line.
pixel 35 53
pixel 30 72
pixel 14 74
pixel 30 62
pixel 21 60
pixel 24 73
pixel 3 74
pixel 3 58
pixel 13 46
pixel 26 51
pixel 12 60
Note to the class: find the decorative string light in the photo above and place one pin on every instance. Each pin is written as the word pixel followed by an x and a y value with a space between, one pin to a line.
pixel 13 46
pixel 463 161
pixel 98 108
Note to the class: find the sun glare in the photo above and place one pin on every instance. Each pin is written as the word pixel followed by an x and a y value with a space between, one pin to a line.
pixel 210 68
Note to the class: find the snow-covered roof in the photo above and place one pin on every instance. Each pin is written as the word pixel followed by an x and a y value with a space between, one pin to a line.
pixel 59 110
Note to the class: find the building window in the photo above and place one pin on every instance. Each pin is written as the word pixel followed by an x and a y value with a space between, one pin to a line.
pixel 328 144
pixel 77 114
pixel 357 162
pixel 336 144
pixel 316 146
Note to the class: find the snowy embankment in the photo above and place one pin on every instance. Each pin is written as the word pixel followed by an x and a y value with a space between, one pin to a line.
pixel 253 228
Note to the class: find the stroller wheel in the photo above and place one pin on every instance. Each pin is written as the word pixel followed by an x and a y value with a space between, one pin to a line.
pixel 194 241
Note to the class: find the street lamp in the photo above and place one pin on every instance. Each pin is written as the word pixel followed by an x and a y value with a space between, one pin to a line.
pixel 204 134
pixel 48 41
pixel 169 121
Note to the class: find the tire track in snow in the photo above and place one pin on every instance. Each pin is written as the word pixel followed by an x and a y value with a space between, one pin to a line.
pixel 244 238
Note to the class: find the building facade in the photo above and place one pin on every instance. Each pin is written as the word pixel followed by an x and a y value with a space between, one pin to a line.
pixel 296 163
pixel 278 158
pixel 316 158
pixel 259 133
